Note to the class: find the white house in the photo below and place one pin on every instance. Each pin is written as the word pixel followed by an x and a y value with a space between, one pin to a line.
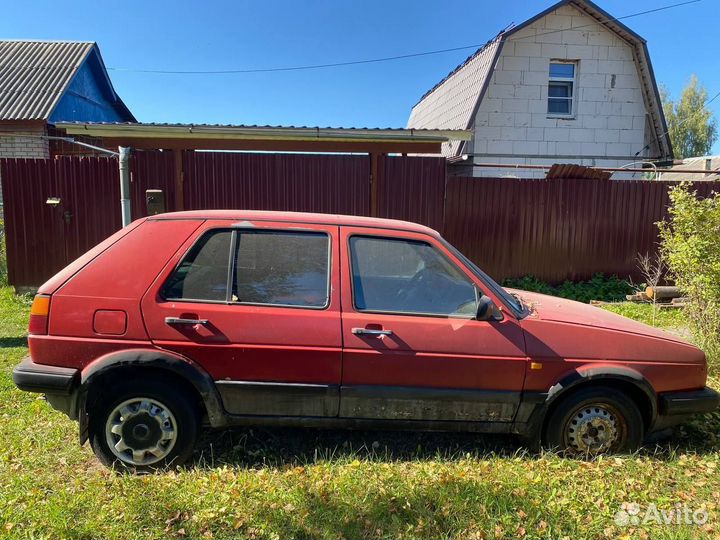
pixel 570 85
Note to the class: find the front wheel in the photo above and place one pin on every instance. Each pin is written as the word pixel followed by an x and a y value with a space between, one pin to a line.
pixel 596 420
pixel 144 425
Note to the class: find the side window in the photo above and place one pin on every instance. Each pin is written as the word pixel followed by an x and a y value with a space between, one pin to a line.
pixel 406 276
pixel 203 273
pixel 282 268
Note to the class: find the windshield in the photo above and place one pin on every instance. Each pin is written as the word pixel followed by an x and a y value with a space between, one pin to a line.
pixel 512 301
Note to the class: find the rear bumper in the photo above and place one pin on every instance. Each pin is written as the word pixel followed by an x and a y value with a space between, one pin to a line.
pixel 51 380
pixel 685 403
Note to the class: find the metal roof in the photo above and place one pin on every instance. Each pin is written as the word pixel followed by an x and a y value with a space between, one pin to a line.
pixel 453 102
pixel 699 168
pixel 235 131
pixel 573 171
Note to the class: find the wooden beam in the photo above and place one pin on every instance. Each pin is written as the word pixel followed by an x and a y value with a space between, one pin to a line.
pixel 149 143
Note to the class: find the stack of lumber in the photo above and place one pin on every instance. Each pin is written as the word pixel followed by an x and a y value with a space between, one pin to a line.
pixel 665 296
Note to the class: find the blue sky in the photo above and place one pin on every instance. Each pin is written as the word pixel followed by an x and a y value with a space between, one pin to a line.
pixel 185 35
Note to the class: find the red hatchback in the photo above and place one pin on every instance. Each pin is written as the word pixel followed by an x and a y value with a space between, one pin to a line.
pixel 227 318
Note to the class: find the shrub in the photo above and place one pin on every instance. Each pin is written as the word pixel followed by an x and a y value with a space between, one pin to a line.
pixel 690 243
pixel 598 287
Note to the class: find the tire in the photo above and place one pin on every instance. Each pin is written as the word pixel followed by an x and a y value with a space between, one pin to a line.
pixel 595 420
pixel 150 423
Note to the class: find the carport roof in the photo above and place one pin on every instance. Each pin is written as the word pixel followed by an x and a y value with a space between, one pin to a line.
pixel 267 138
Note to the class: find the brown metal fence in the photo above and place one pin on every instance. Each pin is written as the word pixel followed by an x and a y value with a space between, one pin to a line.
pixel 553 229
pixel 557 229
pixel 294 182
pixel 42 238
pixel 412 189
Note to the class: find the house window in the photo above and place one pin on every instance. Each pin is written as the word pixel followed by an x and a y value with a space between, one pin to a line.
pixel 561 88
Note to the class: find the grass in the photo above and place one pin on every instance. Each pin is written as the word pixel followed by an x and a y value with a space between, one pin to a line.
pixel 672 319
pixel 303 483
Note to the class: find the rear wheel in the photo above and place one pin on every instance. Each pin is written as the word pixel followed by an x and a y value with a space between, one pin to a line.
pixel 144 425
pixel 596 420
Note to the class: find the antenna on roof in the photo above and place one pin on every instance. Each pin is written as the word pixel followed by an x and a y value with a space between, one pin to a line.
pixel 508 27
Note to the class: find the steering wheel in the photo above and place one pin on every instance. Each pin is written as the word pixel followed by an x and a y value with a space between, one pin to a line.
pixel 404 292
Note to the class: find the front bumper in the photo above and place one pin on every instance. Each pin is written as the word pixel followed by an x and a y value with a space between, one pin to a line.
pixel 685 403
pixel 50 380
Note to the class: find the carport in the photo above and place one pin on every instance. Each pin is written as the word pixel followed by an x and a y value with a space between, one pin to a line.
pixel 375 142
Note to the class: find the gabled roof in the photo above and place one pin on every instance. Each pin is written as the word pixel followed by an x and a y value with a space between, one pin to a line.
pixel 34 76
pixel 453 102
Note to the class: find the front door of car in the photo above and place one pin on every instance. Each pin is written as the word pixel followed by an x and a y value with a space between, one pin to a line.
pixel 257 305
pixel 412 347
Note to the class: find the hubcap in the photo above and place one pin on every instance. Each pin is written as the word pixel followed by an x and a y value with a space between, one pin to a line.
pixel 592 429
pixel 141 431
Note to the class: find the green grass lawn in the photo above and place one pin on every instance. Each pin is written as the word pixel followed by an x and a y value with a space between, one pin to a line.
pixel 265 483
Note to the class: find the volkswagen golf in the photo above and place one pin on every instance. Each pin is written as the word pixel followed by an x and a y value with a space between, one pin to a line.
pixel 222 318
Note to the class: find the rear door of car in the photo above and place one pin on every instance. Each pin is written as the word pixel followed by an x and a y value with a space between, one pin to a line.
pixel 257 305
pixel 412 350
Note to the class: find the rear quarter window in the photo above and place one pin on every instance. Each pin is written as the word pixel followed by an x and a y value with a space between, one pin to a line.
pixel 203 272
pixel 274 268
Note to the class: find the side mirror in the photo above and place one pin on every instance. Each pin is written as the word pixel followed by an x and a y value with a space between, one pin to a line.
pixel 487 310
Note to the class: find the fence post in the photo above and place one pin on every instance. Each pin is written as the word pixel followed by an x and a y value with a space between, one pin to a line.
pixel 179 181
pixel 374 179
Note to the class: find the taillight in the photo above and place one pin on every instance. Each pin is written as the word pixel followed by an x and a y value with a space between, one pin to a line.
pixel 39 313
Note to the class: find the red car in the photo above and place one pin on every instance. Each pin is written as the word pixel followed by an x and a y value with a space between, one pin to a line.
pixel 225 318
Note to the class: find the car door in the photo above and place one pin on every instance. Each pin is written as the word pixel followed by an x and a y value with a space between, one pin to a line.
pixel 257 305
pixel 412 350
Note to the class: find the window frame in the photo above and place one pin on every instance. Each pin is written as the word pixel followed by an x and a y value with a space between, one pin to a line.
pixel 205 234
pixel 573 86
pixel 476 289
pixel 232 262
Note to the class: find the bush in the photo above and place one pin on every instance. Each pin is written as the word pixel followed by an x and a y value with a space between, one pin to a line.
pixel 599 287
pixel 690 243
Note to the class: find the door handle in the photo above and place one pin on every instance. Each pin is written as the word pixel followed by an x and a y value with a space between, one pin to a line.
pixel 371 332
pixel 177 320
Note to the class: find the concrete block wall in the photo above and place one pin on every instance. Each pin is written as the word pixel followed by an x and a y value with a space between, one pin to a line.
pixel 609 124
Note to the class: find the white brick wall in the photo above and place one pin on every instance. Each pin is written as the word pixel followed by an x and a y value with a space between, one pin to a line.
pixel 18 141
pixel 21 141
pixel 609 126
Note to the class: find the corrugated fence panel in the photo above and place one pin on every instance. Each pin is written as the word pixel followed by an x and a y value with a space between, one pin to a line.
pixel 557 229
pixel 42 239
pixel 152 170
pixel 412 189
pixel 554 229
pixel 90 190
pixel 292 182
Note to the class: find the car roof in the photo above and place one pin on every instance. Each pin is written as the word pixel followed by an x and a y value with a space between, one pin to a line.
pixel 299 217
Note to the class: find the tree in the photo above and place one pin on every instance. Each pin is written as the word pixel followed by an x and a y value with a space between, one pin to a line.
pixel 691 125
